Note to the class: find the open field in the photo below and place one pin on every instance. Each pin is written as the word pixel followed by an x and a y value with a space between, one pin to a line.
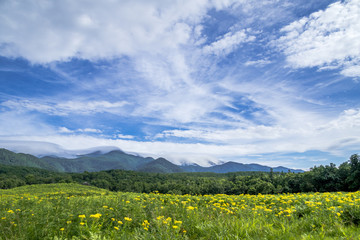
pixel 70 211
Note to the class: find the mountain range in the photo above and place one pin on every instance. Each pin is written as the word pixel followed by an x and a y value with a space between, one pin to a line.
pixel 117 159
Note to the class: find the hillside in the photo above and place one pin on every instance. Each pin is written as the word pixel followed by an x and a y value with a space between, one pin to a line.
pixel 97 162
pixel 116 159
pixel 20 159
pixel 318 179
pixel 160 165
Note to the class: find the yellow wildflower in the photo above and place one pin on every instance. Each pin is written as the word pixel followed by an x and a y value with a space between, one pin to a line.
pixel 98 215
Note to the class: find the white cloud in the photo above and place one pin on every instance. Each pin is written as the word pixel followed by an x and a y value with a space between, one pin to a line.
pixel 66 108
pixel 228 43
pixel 80 130
pixel 328 38
pixel 89 130
pixel 17 124
pixel 122 136
pixel 169 78
pixel 33 147
pixel 161 44
pixel 261 62
pixel 352 68
pixel 188 107
pixel 338 137
pixel 59 31
pixel 40 149
pixel 65 130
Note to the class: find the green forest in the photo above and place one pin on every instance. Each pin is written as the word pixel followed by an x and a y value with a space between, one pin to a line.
pixel 329 178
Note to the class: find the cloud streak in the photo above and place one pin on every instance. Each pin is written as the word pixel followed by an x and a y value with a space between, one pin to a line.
pixel 228 43
pixel 66 108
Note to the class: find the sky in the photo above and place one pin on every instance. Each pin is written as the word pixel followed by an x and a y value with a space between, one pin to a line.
pixel 273 82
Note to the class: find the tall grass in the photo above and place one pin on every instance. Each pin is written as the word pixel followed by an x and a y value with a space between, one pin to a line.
pixel 70 211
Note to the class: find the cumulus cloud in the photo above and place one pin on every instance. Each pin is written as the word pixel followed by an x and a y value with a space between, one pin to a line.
pixel 58 31
pixel 327 38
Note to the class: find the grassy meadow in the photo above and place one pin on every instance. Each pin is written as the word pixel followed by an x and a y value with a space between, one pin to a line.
pixel 71 211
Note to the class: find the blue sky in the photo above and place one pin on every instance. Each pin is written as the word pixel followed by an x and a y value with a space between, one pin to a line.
pixel 272 82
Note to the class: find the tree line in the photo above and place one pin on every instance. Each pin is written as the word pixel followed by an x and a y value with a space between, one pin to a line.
pixel 321 178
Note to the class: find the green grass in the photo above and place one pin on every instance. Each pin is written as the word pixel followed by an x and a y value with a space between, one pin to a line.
pixel 71 211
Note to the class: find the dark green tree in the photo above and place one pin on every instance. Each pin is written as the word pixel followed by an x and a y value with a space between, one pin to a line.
pixel 354 176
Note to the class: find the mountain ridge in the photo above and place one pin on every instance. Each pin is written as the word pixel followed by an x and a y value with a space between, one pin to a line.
pixel 117 159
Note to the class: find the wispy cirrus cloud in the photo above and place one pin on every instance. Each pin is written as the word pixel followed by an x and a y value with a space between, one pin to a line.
pixel 65 108
pixel 228 42
pixel 19 124
pixel 260 62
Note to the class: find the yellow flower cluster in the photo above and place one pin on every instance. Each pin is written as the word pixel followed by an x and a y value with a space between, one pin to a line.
pixel 175 214
pixel 146 224
pixel 98 215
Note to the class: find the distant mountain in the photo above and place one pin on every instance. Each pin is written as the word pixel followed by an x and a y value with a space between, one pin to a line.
pixel 20 159
pixel 97 161
pixel 236 167
pixel 116 159
pixel 160 165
